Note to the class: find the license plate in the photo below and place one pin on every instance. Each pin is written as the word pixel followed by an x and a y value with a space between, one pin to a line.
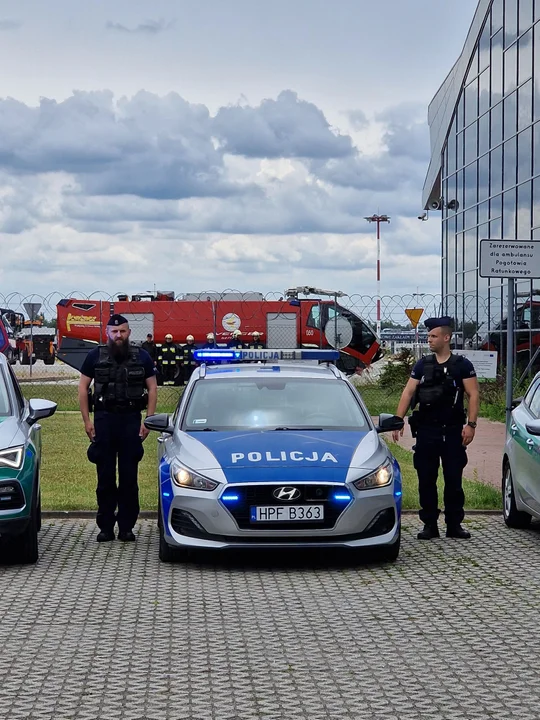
pixel 286 513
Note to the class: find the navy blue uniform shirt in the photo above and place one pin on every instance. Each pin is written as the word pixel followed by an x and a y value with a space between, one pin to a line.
pixel 463 369
pixel 92 359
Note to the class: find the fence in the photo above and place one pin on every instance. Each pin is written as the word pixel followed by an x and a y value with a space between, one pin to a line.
pixel 478 320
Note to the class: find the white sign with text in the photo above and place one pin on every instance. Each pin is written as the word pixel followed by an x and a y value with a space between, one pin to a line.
pixel 509 259
pixel 484 361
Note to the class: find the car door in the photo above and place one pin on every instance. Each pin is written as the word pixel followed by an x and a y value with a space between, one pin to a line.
pixel 526 449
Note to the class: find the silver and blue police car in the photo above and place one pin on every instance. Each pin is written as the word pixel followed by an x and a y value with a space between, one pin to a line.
pixel 270 452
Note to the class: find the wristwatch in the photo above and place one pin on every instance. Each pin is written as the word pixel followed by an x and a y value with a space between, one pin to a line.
pixel 472 424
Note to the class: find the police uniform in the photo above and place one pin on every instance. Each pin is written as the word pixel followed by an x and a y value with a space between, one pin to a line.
pixel 168 358
pixel 187 359
pixel 151 348
pixel 120 394
pixel 437 424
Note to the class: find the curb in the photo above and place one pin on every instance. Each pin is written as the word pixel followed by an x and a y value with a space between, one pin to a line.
pixel 152 515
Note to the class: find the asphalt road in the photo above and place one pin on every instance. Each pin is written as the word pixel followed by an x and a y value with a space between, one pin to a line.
pixel 106 631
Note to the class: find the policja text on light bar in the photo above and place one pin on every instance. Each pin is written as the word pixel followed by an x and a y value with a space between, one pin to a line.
pixel 263 355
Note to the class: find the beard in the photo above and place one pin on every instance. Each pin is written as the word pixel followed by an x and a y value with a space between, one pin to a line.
pixel 119 350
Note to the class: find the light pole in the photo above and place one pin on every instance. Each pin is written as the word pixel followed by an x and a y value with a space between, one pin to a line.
pixel 378 219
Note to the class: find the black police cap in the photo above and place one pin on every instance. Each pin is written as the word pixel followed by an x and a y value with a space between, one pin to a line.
pixel 117 320
pixel 445 321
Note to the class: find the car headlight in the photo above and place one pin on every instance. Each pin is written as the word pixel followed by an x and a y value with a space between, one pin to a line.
pixel 12 457
pixel 186 478
pixel 378 478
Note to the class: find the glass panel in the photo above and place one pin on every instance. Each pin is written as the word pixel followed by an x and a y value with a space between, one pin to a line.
pixel 536 9
pixel 525 102
pixel 484 48
pixel 460 113
pixel 524 154
pixel 510 22
pixel 483 134
pixel 470 287
pixel 459 152
pixel 496 16
pixel 496 125
pixel 459 255
pixel 459 188
pixel 536 203
pixel 470 250
pixel 495 305
pixel 471 179
pixel 536 149
pixel 525 14
pixel 471 217
pixel 451 167
pixel 495 229
pixel 510 69
pixel 460 222
pixel 524 214
pixel 509 215
pixel 451 262
pixel 471 146
pixel 510 162
pixel 483 92
pixel 525 60
pixel 471 102
pixel 483 178
pixel 496 171
pixel 496 67
pixel 495 207
pixel 483 212
pixel 510 115
pixel 473 69
pixel 537 71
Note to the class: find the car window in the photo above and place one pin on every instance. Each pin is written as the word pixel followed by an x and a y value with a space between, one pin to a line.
pixel 272 402
pixel 5 405
pixel 534 405
pixel 530 392
pixel 15 384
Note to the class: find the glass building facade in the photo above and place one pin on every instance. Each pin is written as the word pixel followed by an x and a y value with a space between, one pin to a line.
pixel 485 168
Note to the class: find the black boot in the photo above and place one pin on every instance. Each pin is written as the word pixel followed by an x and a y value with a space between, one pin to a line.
pixel 429 532
pixel 126 536
pixel 456 531
pixel 105 536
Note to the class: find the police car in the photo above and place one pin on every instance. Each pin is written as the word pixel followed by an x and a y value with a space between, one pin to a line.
pixel 269 452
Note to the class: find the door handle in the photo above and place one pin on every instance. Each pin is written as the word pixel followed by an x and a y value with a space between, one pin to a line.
pixel 530 443
pixel 161 439
pixel 513 428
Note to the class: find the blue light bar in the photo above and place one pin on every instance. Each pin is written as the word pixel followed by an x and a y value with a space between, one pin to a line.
pixel 265 355
pixel 229 497
pixel 341 497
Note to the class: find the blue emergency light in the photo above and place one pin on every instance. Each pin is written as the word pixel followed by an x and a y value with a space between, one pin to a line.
pixel 264 355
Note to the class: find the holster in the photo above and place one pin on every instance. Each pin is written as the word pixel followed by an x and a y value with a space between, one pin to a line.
pixel 413 424
pixel 90 401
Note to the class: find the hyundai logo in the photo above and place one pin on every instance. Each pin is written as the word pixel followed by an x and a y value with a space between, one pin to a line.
pixel 286 493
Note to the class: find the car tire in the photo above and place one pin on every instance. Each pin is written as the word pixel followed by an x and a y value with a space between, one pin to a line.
pixel 49 360
pixel 24 359
pixel 26 550
pixel 513 517
pixel 38 513
pixel 390 553
pixel 167 554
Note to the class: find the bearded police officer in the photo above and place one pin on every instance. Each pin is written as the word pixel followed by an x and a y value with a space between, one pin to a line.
pixel 438 383
pixel 124 385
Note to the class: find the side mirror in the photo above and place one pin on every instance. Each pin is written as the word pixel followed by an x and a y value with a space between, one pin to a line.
pixel 388 422
pixel 533 427
pixel 515 402
pixel 160 423
pixel 39 409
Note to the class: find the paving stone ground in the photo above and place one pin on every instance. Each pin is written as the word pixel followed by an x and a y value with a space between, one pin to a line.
pixel 106 631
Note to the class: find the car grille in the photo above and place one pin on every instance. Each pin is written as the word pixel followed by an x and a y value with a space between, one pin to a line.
pixel 316 494
pixel 11 495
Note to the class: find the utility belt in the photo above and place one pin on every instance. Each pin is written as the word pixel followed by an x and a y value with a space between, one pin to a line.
pixel 455 419
pixel 119 408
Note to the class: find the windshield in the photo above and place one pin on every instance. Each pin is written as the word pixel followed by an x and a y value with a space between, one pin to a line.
pixel 5 408
pixel 273 403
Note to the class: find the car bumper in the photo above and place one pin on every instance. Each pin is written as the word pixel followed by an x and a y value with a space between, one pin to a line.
pixel 197 520
pixel 13 526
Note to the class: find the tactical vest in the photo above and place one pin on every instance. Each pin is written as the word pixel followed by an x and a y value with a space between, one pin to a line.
pixel 440 391
pixel 119 387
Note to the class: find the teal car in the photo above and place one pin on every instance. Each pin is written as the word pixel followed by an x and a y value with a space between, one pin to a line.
pixel 521 461
pixel 20 463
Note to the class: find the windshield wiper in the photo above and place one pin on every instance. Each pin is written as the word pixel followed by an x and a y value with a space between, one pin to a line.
pixel 203 430
pixel 302 427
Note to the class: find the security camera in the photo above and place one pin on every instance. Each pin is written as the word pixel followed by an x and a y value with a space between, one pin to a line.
pixel 453 205
pixel 423 216
pixel 435 204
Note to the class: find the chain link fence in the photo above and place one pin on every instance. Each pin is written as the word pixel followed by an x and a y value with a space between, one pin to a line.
pixel 479 323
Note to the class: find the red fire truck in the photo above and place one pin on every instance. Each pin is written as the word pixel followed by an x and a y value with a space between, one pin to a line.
pixel 284 323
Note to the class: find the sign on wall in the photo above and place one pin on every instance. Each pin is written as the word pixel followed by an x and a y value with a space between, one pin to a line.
pixel 484 361
pixel 509 259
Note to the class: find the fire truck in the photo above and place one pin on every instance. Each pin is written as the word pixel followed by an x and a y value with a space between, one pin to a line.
pixel 288 322
pixel 8 342
pixel 19 341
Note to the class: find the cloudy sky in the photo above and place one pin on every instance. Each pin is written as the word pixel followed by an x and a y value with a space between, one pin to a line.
pixel 200 144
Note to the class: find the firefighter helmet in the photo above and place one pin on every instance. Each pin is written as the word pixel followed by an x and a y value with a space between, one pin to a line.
pixel 190 338
pixel 168 337
pixel 210 336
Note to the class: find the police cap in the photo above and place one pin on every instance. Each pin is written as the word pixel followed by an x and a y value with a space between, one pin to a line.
pixel 116 320
pixel 445 321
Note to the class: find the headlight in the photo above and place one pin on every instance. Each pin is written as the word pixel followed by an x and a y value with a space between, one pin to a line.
pixel 378 478
pixel 186 478
pixel 12 457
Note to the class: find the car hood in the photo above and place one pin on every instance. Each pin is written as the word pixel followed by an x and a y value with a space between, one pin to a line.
pixel 266 456
pixel 10 433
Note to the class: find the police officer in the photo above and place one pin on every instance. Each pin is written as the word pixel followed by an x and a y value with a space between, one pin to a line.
pixel 437 384
pixel 150 346
pixel 124 384
pixel 168 358
pixel 236 342
pixel 256 343
pixel 188 361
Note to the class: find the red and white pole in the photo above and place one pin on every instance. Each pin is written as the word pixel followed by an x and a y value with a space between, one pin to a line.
pixel 378 277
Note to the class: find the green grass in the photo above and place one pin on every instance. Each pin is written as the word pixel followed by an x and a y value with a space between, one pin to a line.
pixel 69 479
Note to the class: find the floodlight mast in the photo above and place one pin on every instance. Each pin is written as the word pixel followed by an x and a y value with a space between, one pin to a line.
pixel 378 219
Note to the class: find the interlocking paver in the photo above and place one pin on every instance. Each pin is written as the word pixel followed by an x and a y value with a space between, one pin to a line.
pixel 106 631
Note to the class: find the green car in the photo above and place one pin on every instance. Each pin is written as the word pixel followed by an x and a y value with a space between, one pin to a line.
pixel 20 462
